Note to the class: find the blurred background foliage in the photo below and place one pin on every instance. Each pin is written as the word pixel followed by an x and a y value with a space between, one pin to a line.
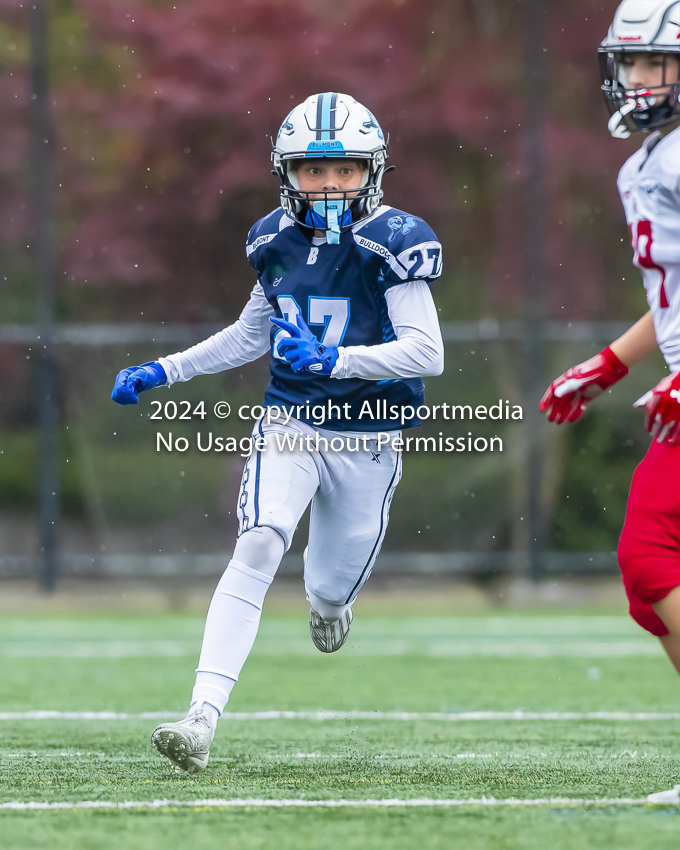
pixel 163 113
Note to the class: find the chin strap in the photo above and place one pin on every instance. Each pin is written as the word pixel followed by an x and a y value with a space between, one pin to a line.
pixel 616 128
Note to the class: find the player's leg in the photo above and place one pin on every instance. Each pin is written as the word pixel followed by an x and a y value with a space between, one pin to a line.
pixel 231 627
pixel 649 549
pixel 663 619
pixel 234 614
pixel 276 488
pixel 347 526
pixel 649 556
pixel 329 624
pixel 668 610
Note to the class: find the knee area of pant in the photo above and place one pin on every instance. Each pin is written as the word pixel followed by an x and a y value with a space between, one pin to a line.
pixel 260 548
pixel 329 611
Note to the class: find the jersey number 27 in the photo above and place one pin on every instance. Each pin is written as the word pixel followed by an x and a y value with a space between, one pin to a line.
pixel 331 313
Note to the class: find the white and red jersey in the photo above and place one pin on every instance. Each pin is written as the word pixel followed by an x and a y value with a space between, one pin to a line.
pixel 649 184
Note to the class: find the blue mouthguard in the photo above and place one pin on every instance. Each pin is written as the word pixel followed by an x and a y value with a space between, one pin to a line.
pixel 329 216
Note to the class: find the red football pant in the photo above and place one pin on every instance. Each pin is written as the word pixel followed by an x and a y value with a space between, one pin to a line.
pixel 649 549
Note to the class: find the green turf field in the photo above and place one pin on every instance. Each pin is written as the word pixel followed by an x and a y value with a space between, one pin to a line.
pixel 557 670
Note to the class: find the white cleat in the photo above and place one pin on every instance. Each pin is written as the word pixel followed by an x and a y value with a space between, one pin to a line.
pixel 186 743
pixel 672 796
pixel 329 637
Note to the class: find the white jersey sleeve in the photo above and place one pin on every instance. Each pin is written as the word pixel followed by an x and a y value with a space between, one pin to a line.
pixel 649 184
pixel 245 340
pixel 418 350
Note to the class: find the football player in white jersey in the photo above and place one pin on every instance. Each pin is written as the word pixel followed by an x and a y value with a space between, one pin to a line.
pixel 343 307
pixel 640 67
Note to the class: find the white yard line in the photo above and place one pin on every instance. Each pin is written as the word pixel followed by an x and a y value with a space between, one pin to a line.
pixel 99 649
pixel 443 647
pixel 328 804
pixel 373 627
pixel 351 715
pixel 88 715
pixel 32 754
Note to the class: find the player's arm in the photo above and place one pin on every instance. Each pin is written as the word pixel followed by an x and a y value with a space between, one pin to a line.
pixel 662 404
pixel 417 352
pixel 245 340
pixel 637 342
pixel 568 396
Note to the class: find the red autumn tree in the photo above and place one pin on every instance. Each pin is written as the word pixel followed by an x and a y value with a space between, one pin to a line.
pixel 164 121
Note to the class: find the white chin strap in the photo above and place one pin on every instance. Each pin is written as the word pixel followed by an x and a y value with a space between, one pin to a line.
pixel 616 128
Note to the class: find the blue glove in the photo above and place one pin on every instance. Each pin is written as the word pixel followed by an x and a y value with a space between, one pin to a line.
pixel 137 379
pixel 303 350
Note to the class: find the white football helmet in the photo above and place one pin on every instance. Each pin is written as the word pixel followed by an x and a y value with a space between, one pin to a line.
pixel 330 125
pixel 641 26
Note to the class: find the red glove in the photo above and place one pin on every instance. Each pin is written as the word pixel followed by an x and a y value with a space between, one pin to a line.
pixel 567 397
pixel 662 416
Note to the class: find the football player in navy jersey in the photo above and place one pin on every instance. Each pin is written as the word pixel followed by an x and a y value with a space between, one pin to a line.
pixel 343 305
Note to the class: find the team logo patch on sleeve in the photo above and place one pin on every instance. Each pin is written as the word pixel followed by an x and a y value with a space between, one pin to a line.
pixel 401 224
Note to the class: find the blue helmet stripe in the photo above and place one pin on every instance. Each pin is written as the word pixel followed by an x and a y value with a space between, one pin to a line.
pixel 326 116
pixel 319 123
pixel 334 106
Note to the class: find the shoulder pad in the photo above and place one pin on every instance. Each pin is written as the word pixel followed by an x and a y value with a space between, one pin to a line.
pixel 406 242
pixel 266 229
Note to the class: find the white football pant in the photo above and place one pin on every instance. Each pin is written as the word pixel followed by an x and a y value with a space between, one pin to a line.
pixel 350 484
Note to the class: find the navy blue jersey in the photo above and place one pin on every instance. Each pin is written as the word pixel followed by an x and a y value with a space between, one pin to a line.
pixel 340 292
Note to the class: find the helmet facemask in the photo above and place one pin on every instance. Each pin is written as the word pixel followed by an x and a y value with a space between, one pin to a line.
pixel 330 125
pixel 635 109
pixel 337 210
